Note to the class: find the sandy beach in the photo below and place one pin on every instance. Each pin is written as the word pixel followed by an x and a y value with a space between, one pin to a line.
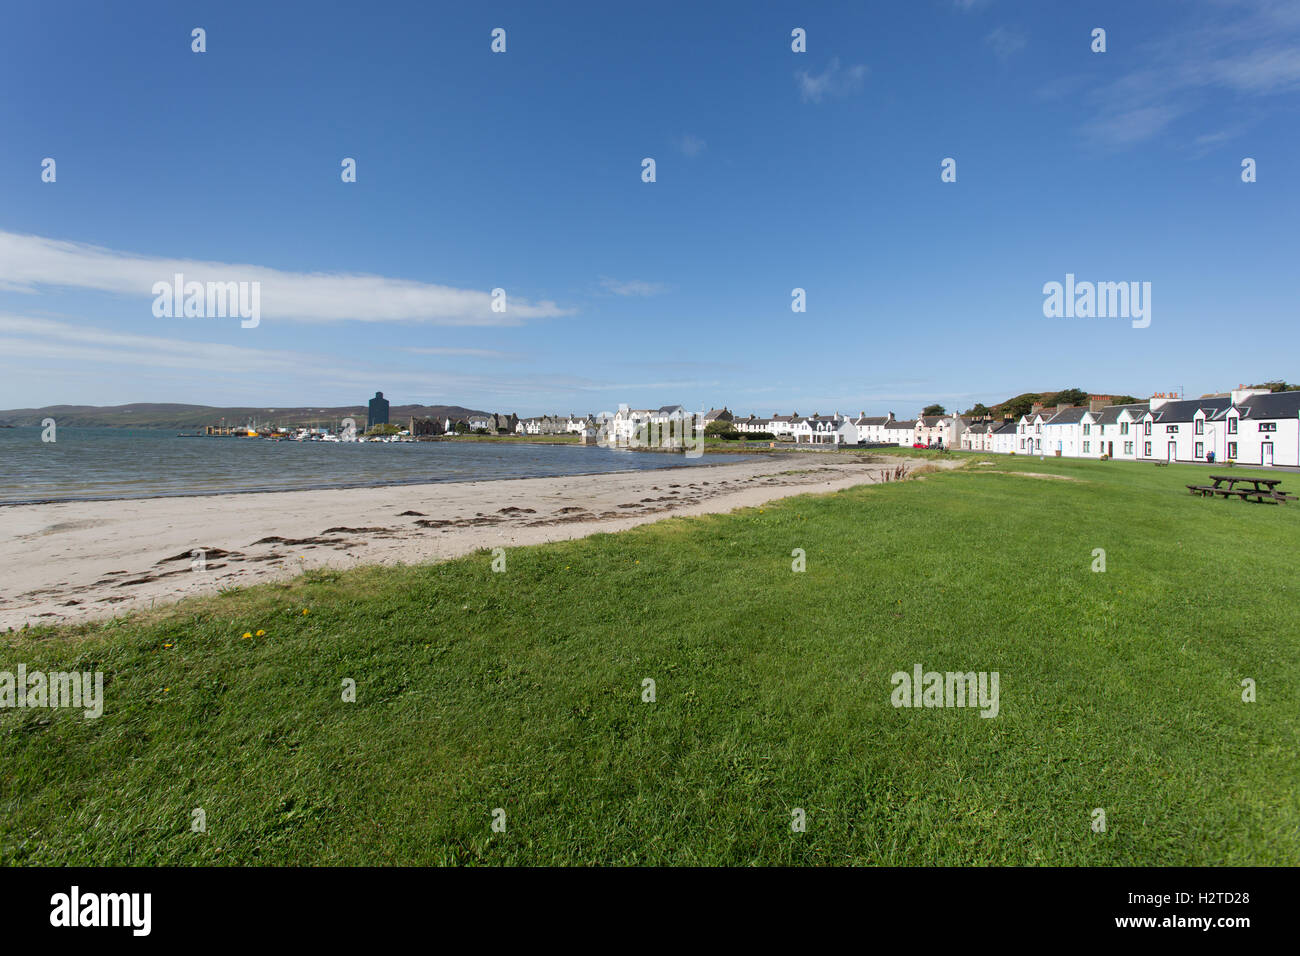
pixel 75 561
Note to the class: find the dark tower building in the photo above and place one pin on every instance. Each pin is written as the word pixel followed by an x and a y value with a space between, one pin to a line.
pixel 378 411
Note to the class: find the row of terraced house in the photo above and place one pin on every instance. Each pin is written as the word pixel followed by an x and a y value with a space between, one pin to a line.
pixel 1246 426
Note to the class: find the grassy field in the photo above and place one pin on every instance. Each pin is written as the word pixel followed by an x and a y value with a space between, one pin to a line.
pixel 523 691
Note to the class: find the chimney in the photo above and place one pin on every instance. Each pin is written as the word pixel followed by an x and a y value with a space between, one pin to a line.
pixel 1060 408
pixel 1096 404
pixel 1035 408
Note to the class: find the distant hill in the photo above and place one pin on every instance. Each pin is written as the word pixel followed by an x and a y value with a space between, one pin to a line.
pixel 147 415
pixel 1022 403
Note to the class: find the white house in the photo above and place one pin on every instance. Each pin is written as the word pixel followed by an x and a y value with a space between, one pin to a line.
pixel 1063 431
pixel 751 426
pixel 825 430
pixel 1112 431
pixel 901 433
pixel 1029 433
pixel 1003 438
pixel 1170 426
pixel 1258 428
pixel 978 435
pixel 782 426
pixel 871 430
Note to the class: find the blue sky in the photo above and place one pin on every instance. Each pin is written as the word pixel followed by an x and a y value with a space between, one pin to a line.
pixel 522 171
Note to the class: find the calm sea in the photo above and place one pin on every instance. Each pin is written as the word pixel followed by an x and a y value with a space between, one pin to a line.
pixel 87 463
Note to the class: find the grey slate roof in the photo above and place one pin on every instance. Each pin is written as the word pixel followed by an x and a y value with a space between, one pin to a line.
pixel 1185 410
pixel 1274 405
pixel 1069 416
pixel 1110 414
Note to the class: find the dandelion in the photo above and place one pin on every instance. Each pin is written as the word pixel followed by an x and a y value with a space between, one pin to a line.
pixel 169 645
pixel 247 635
pixel 305 612
pixel 261 633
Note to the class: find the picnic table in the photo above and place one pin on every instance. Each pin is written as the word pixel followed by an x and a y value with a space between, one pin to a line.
pixel 1251 487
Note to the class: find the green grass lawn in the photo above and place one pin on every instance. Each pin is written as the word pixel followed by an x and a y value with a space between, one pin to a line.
pixel 523 690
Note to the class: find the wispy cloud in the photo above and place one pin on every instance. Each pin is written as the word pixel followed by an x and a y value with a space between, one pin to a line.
pixel 30 262
pixel 1127 127
pixel 467 353
pixel 1250 49
pixel 237 374
pixel 631 287
pixel 691 145
pixel 833 81
pixel 1006 41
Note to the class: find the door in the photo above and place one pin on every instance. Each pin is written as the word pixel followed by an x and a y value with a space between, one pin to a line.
pixel 1173 451
pixel 1268 452
pixel 1110 449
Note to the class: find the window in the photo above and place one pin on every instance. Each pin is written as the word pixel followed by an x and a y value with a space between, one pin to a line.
pixel 1148 448
pixel 1232 427
pixel 1038 429
pixel 1128 448
pixel 1200 450
pixel 1123 428
pixel 1268 426
pixel 1086 449
pixel 1087 429
pixel 1171 429
pixel 1200 426
pixel 1146 428
pixel 1232 449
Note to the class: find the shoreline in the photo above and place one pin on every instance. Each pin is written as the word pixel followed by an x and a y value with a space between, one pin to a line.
pixel 334 486
pixel 70 562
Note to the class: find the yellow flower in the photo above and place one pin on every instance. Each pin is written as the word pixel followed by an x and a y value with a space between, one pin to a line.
pixel 247 634
pixel 305 611
pixel 261 633
pixel 168 645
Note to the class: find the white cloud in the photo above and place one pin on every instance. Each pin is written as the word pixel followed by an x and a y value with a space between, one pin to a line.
pixel 1249 48
pixel 29 262
pixel 632 287
pixel 1006 41
pixel 833 81
pixel 1127 127
pixel 468 353
pixel 692 145
pixel 221 374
